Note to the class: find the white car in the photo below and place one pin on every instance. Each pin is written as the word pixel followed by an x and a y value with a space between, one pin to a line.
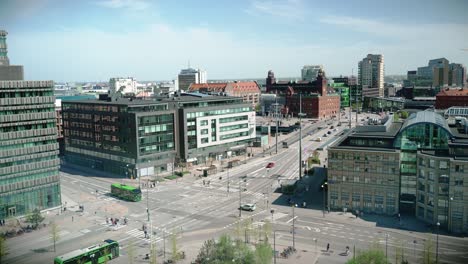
pixel 248 207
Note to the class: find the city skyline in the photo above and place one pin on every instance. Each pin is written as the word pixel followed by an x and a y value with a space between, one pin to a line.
pixel 152 40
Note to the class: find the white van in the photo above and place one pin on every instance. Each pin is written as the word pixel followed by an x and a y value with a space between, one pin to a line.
pixel 319 139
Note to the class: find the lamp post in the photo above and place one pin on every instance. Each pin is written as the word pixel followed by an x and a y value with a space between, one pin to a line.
pixel 324 198
pixel 437 243
pixel 147 200
pixel 228 180
pixel 300 135
pixel 449 215
pixel 277 121
pixel 386 246
pixel 293 226
pixel 240 198
pixel 274 244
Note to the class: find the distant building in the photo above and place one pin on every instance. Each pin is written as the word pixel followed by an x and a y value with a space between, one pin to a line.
pixel 438 73
pixel 447 98
pixel 371 74
pixel 7 71
pixel 318 100
pixel 248 91
pixel 123 85
pixel 188 76
pixel 343 90
pixel 310 72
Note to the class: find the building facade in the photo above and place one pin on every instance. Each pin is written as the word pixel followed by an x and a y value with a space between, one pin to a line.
pixel 415 167
pixel 371 73
pixel 248 91
pixel 310 72
pixel 318 100
pixel 122 136
pixel 7 71
pixel 188 76
pixel 123 85
pixel 213 127
pixel 447 98
pixel 438 73
pixel 29 164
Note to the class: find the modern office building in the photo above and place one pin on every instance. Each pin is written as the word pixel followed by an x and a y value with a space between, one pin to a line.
pixel 123 85
pixel 213 127
pixel 383 104
pixel 416 167
pixel 248 91
pixel 122 136
pixel 7 71
pixel 447 98
pixel 343 90
pixel 438 73
pixel 310 72
pixel 137 137
pixel 29 165
pixel 457 75
pixel 371 73
pixel 188 76
pixel 318 100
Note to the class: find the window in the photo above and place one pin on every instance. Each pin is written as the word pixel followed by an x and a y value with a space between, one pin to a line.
pixel 431 163
pixel 431 176
pixel 344 178
pixel 204 123
pixel 204 140
pixel 459 168
pixel 204 131
pixel 443 165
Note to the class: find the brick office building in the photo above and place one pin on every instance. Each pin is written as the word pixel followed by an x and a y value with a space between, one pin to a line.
pixel 318 100
pixel 451 97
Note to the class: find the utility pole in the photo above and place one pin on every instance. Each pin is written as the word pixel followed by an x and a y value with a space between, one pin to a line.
pixel 300 135
pixel 437 244
pixel 277 121
pixel 228 179
pixel 274 246
pixel 240 199
pixel 293 227
pixel 147 199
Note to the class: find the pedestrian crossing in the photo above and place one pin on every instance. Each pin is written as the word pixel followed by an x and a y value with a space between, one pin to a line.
pixel 139 234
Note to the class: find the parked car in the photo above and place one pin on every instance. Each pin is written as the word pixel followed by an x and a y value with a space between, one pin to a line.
pixel 325 135
pixel 270 165
pixel 329 132
pixel 248 207
pixel 319 139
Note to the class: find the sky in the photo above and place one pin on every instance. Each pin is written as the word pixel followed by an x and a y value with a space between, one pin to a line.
pixel 152 40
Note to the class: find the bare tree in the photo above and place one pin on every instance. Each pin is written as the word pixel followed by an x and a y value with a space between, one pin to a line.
pixel 54 233
pixel 3 248
pixel 175 250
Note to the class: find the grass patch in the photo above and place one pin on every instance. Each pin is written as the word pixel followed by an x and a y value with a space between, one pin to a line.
pixel 171 177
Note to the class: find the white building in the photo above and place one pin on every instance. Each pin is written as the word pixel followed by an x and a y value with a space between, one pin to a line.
pixel 309 72
pixel 189 76
pixel 123 85
pixel 371 72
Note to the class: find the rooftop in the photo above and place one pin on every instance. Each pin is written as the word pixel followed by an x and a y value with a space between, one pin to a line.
pixel 453 92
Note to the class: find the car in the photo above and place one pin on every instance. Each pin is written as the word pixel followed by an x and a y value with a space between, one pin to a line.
pixel 325 135
pixel 332 127
pixel 329 132
pixel 248 207
pixel 319 139
pixel 270 165
pixel 334 130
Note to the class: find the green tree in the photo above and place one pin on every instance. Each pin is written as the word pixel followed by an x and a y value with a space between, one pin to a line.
pixel 226 251
pixel 404 114
pixel 54 233
pixel 35 218
pixel 373 255
pixel 3 248
pixel 258 107
pixel 263 253
pixel 174 246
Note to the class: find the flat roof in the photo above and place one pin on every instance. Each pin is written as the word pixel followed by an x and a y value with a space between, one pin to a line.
pixel 392 131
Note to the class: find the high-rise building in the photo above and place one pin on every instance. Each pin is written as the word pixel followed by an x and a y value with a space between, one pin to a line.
pixel 188 76
pixel 7 71
pixel 371 73
pixel 310 72
pixel 457 75
pixel 29 164
pixel 123 85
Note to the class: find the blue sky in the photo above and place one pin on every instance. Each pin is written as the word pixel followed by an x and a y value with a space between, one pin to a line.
pixel 152 40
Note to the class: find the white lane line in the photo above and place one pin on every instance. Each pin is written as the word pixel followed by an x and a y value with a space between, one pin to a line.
pixel 289 221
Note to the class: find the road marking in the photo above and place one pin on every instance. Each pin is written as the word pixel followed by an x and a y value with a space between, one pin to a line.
pixel 308 228
pixel 291 219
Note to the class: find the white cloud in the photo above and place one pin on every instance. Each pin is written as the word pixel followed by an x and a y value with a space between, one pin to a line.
pixel 291 9
pixel 136 5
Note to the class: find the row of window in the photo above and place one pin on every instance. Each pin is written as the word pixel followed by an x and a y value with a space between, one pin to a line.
pixel 26 111
pixel 42 125
pixel 90 107
pixel 218 112
pixel 26 94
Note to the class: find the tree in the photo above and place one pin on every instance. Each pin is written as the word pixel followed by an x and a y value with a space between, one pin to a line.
pixel 174 246
pixel 263 253
pixel 404 114
pixel 35 218
pixel 54 233
pixel 3 247
pixel 226 251
pixel 153 253
pixel 373 255
pixel 428 254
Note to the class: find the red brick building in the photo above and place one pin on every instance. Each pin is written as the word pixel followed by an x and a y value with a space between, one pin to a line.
pixel 249 91
pixel 451 97
pixel 318 100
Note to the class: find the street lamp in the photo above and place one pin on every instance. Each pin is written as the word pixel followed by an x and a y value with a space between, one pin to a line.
pixel 449 215
pixel 293 226
pixel 228 180
pixel 240 197
pixel 437 243
pixel 300 135
pixel 324 198
pixel 274 243
pixel 386 246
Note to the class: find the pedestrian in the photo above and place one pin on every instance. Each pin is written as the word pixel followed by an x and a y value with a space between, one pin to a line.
pixel 146 233
pixel 107 220
pixel 203 182
pixel 1 222
pixel 328 246
pixel 72 218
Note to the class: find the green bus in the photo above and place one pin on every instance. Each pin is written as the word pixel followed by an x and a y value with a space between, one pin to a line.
pixel 126 192
pixel 96 254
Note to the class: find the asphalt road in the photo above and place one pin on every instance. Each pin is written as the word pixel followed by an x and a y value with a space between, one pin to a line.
pixel 196 211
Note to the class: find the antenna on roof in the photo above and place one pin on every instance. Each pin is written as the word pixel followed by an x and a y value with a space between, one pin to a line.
pixel 188 64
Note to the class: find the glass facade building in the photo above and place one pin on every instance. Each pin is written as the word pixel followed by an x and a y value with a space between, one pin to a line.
pixel 29 164
pixel 428 162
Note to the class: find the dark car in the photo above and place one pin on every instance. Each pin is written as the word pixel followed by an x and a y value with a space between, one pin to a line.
pixel 270 165
pixel 329 132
